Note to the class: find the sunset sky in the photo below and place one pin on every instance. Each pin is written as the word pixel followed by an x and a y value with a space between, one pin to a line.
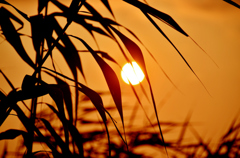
pixel 213 25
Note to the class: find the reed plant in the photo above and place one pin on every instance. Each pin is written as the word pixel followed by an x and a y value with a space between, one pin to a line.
pixel 55 129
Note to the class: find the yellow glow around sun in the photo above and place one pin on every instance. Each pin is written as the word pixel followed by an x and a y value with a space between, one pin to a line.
pixel 132 73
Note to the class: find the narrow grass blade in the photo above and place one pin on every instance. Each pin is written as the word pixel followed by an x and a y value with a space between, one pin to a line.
pixel 184 128
pixel 140 103
pixel 76 136
pixel 58 140
pixel 160 30
pixel 137 55
pixel 232 3
pixel 111 79
pixel 8 81
pixel 132 48
pixel 12 36
pixel 20 12
pixel 11 101
pixel 12 134
pixel 26 122
pixel 91 100
pixel 13 17
pixel 66 95
pixel 158 14
pixel 98 103
pixel 38 69
pixel 57 95
pixel 110 76
pixel 73 9
pixel 153 58
pixel 106 56
pixel 69 52
pixel 105 23
pixel 5 107
pixel 106 3
pixel 204 51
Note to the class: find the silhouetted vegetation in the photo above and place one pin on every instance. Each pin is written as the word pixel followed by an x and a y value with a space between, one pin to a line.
pixel 56 129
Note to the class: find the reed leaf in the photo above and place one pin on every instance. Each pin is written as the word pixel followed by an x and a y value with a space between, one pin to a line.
pixel 12 134
pixel 12 35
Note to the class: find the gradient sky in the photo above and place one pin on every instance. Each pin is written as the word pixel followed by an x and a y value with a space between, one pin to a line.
pixel 214 25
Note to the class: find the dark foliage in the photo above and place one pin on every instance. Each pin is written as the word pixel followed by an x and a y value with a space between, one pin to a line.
pixel 66 140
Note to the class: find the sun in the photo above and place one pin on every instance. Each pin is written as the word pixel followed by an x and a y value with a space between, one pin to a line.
pixel 132 73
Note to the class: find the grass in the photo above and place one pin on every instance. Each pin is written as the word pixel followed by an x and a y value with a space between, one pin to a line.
pixel 57 129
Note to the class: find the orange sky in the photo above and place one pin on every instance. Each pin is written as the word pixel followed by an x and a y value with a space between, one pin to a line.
pixel 214 25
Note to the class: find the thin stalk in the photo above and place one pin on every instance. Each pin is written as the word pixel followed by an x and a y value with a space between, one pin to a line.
pixel 29 144
pixel 69 21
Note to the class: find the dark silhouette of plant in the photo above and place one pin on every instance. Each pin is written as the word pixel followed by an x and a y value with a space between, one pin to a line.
pixel 67 140
pixel 232 3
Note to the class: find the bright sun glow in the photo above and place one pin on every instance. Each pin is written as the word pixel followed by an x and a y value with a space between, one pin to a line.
pixel 132 73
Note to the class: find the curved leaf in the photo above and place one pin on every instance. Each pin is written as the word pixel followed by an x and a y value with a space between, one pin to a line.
pixel 20 12
pixel 137 55
pixel 110 77
pixel 66 95
pixel 158 14
pixel 133 49
pixel 12 134
pixel 12 36
pixel 232 3
pixel 98 103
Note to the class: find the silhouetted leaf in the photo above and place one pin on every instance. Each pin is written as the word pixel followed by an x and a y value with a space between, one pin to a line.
pixel 28 82
pixel 76 136
pixel 35 92
pixel 69 52
pixel 98 103
pixel 66 95
pixel 232 3
pixel 133 49
pixel 158 14
pixel 20 12
pixel 103 21
pixel 12 134
pixel 12 36
pixel 41 5
pixel 137 55
pixel 160 30
pixel 97 100
pixel 110 77
pixel 106 56
pixel 26 122
pixel 184 128
pixel 106 3
pixel 153 59
pixel 81 20
pixel 73 9
pixel 5 108
pixel 38 32
pixel 64 146
pixel 8 81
